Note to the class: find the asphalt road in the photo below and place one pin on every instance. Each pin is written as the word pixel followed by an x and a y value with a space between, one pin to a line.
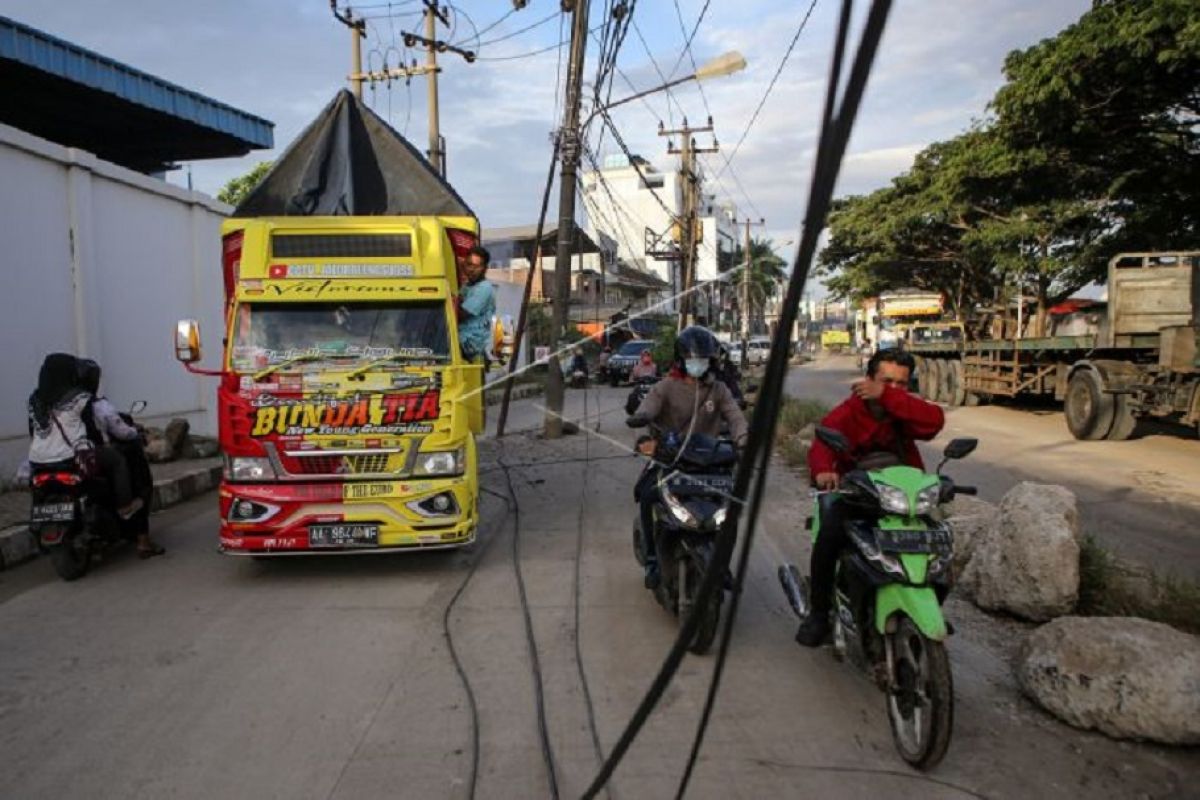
pixel 201 676
pixel 1139 498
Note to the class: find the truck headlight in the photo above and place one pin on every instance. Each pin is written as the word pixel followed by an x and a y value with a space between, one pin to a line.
pixel 892 499
pixel 243 468
pixel 443 462
pixel 927 499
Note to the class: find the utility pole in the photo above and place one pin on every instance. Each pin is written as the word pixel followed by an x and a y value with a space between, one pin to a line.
pixel 358 32
pixel 437 146
pixel 569 160
pixel 689 219
pixel 745 326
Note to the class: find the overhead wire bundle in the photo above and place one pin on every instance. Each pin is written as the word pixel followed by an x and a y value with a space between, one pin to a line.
pixel 837 120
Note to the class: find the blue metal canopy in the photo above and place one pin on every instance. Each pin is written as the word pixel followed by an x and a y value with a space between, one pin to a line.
pixel 79 98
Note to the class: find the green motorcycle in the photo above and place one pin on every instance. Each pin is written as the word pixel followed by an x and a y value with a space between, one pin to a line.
pixel 890 583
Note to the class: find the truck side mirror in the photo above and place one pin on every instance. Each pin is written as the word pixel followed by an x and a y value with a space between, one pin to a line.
pixel 187 341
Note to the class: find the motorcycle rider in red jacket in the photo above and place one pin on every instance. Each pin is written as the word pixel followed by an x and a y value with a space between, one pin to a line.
pixel 880 416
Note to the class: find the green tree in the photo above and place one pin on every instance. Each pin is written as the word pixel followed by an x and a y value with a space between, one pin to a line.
pixel 236 189
pixel 1092 146
pixel 767 272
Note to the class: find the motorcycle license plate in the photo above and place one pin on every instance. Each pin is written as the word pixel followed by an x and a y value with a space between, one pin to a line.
pixel 346 535
pixel 53 512
pixel 927 541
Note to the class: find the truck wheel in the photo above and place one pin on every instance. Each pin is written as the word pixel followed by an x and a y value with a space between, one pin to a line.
pixel 936 372
pixel 958 384
pixel 946 385
pixel 1124 420
pixel 1088 409
pixel 924 379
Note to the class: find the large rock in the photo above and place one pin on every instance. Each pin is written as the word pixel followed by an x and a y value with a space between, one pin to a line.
pixel 1128 678
pixel 1027 564
pixel 972 520
pixel 176 434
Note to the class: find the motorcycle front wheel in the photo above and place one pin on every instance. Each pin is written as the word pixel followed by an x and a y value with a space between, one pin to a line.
pixel 710 614
pixel 920 703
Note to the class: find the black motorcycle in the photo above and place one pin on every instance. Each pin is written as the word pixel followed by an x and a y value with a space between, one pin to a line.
pixel 694 479
pixel 73 516
pixel 641 388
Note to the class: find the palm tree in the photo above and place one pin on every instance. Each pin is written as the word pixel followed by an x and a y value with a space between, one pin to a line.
pixel 767 273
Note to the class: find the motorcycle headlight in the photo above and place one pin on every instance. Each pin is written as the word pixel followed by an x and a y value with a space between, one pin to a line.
pixel 719 517
pixel 443 462
pixel 242 468
pixel 892 499
pixel 870 551
pixel 678 510
pixel 927 499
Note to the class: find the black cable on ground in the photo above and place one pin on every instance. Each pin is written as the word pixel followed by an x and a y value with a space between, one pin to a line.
pixel 835 132
pixel 837 122
pixel 583 679
pixel 535 660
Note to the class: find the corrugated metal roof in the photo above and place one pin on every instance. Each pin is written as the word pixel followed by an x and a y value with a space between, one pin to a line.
pixel 49 54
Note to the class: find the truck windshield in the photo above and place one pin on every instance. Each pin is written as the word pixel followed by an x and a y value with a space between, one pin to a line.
pixel 269 334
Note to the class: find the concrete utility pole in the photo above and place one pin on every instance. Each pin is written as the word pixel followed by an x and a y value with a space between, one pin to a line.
pixel 437 146
pixel 745 326
pixel 435 152
pixel 689 219
pixel 358 32
pixel 569 160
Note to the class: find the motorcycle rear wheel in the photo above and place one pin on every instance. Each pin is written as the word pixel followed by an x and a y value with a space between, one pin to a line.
pixel 920 705
pixel 71 559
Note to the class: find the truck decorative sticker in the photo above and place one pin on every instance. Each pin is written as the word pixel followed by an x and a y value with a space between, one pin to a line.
pixel 341 271
pixel 400 413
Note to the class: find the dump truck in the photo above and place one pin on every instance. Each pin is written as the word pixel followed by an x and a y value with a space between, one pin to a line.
pixel 346 410
pixel 1110 363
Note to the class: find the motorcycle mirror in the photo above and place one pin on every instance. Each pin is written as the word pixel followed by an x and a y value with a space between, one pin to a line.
pixel 137 407
pixel 960 448
pixel 835 440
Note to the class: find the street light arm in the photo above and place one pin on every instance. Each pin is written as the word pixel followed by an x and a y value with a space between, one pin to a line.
pixel 725 64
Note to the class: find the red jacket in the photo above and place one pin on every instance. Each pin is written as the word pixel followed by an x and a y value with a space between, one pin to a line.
pixel 916 419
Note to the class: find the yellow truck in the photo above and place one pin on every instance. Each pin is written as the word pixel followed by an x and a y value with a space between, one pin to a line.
pixel 347 412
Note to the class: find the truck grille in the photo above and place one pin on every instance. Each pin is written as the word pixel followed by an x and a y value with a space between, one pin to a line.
pixel 365 464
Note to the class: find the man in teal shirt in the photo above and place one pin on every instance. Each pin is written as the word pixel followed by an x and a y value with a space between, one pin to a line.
pixel 477 306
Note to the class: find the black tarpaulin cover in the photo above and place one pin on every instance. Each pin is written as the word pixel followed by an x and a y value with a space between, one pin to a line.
pixel 349 162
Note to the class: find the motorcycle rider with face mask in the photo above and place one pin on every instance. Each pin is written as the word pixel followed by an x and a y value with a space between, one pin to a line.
pixel 691 400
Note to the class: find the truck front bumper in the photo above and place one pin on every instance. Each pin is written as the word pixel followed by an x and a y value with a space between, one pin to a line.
pixel 279 518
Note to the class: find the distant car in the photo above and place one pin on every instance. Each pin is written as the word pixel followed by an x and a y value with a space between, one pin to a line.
pixel 735 354
pixel 624 359
pixel 758 350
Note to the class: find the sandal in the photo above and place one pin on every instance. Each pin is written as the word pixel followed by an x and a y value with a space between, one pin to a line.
pixel 150 551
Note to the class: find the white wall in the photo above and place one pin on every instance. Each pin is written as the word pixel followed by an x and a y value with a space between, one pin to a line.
pixel 101 261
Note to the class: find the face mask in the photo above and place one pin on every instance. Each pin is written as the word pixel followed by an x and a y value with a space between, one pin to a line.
pixel 696 367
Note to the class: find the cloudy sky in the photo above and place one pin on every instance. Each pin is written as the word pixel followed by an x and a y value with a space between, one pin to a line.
pixel 283 60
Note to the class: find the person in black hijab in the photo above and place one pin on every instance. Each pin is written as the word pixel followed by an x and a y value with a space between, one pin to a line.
pixel 60 423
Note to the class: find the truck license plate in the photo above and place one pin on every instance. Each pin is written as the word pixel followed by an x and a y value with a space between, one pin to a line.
pixel 346 535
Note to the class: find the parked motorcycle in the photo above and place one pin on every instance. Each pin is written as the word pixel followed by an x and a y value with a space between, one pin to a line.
pixel 889 586
pixel 73 517
pixel 641 388
pixel 694 486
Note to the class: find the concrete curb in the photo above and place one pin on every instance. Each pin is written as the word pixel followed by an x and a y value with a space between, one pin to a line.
pixel 520 392
pixel 17 544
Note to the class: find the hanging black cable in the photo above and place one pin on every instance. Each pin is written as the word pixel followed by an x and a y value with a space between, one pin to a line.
pixel 835 132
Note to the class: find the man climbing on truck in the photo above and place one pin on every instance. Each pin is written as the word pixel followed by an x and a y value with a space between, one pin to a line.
pixel 476 307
